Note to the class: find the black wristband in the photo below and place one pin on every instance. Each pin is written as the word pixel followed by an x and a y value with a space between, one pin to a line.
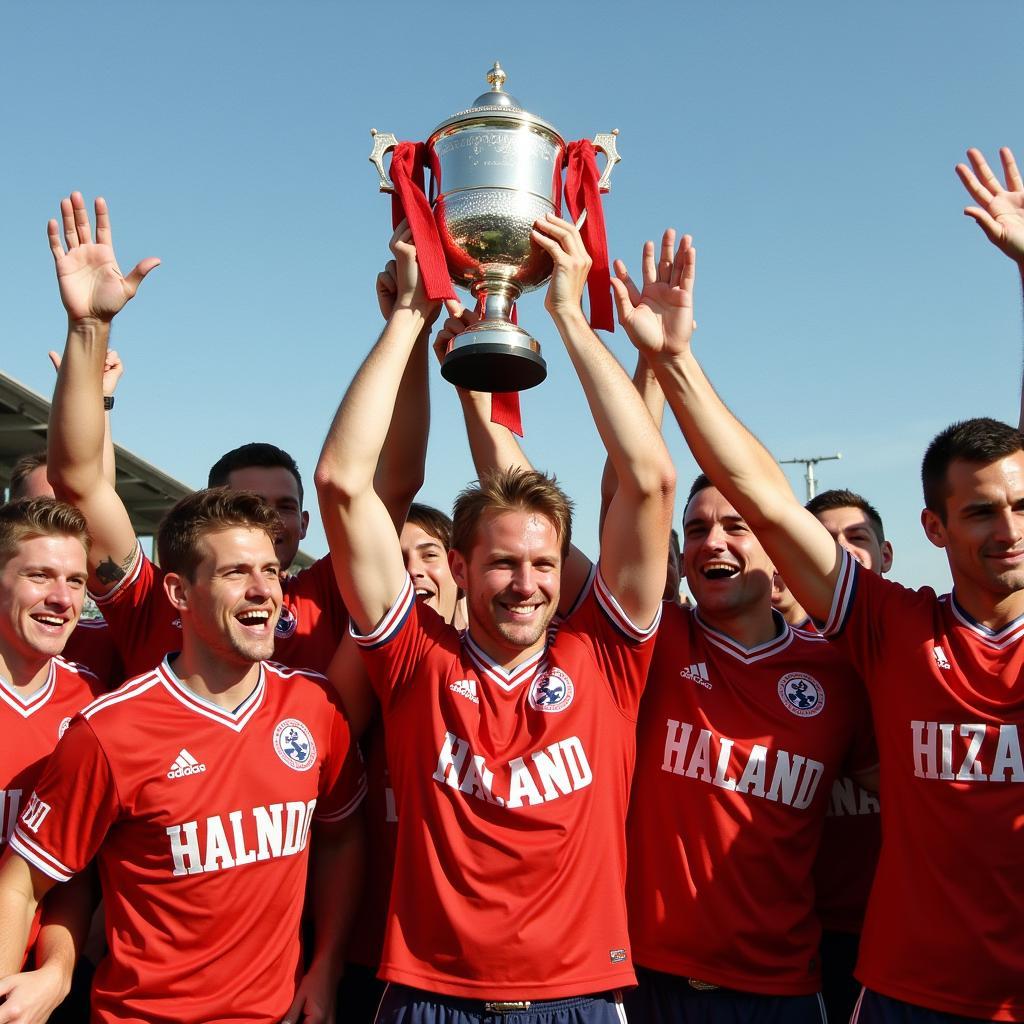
pixel 108 402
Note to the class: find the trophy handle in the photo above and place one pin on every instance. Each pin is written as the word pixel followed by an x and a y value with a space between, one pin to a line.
pixel 384 142
pixel 605 142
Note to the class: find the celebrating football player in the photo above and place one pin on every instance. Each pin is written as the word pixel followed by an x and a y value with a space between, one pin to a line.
pixel 510 751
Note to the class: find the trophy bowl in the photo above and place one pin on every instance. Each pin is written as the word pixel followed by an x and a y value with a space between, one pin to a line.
pixel 495 169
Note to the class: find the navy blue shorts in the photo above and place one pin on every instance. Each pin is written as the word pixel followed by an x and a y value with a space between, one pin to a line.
pixel 404 1005
pixel 670 999
pixel 874 1008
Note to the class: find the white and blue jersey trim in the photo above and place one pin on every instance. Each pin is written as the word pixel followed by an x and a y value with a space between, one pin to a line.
pixel 394 619
pixel 999 639
pixel 843 596
pixel 619 619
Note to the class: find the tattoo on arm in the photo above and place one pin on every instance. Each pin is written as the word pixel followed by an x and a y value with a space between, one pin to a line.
pixel 109 572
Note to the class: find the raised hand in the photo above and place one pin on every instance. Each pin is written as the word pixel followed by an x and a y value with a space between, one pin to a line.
pixel 113 370
pixel 562 241
pixel 1000 211
pixel 406 278
pixel 459 318
pixel 659 319
pixel 92 286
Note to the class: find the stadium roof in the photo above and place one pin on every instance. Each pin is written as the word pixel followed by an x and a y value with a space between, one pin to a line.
pixel 146 491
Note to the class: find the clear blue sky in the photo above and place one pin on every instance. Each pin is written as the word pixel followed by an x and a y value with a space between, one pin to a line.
pixel 845 304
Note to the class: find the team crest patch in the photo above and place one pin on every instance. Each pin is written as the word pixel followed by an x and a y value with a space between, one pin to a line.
pixel 294 745
pixel 286 623
pixel 63 727
pixel 617 956
pixel 802 694
pixel 551 691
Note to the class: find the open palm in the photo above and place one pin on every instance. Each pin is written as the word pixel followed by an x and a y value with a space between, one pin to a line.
pixel 659 319
pixel 90 281
pixel 1000 210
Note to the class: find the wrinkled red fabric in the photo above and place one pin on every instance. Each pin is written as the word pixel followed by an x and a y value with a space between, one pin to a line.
pixel 410 202
pixel 582 193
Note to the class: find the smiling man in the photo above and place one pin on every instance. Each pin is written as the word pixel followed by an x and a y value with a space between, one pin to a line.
pixel 195 786
pixel 43 546
pixel 510 749
pixel 941 940
pixel 744 725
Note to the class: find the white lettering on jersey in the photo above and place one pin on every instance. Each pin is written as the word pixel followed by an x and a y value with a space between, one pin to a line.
pixel 555 771
pixel 281 830
pixel 794 779
pixel 848 800
pixel 35 812
pixel 10 804
pixel 932 750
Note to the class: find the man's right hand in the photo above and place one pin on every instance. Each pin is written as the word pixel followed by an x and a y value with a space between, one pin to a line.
pixel 1000 211
pixel 659 318
pixel 408 282
pixel 92 286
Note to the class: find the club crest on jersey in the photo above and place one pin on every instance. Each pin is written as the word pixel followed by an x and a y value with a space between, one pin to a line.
pixel 286 623
pixel 294 745
pixel 63 727
pixel 802 694
pixel 551 691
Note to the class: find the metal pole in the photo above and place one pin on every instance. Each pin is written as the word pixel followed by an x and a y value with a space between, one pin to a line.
pixel 809 464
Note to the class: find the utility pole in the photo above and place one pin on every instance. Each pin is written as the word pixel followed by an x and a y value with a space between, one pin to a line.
pixel 810 464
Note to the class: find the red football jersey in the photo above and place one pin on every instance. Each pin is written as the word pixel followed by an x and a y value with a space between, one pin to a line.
pixel 512 790
pixel 145 625
pixel 199 820
pixel 366 938
pixel 848 854
pixel 847 857
pixel 91 645
pixel 944 921
pixel 737 752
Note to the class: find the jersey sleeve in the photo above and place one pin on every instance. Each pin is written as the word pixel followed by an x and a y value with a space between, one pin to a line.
pixel 392 651
pixel 865 607
pixel 319 585
pixel 72 807
pixel 622 650
pixel 343 778
pixel 136 611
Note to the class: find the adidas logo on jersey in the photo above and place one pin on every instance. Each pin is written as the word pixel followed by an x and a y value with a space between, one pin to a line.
pixel 465 688
pixel 940 657
pixel 185 764
pixel 697 674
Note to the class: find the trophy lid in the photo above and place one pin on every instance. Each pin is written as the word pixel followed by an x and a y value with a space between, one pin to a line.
pixel 495 105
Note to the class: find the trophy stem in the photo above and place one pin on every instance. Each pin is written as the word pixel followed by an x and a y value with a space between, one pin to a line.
pixel 494 354
pixel 498 298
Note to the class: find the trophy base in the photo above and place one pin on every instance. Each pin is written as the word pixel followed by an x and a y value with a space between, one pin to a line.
pixel 498 357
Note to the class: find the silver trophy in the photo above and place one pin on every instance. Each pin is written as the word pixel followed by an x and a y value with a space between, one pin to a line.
pixel 495 169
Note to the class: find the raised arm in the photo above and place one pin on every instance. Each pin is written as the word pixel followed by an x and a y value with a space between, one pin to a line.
pixel 364 544
pixel 999 211
pixel 401 467
pixel 113 370
pixel 93 291
pixel 660 325
pixel 494 446
pixel 634 538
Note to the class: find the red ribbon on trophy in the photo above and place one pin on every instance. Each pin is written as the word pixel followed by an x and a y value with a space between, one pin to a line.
pixel 409 202
pixel 582 193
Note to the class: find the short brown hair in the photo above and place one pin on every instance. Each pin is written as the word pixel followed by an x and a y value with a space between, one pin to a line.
pixel 511 490
pixel 981 441
pixel 209 511
pixel 39 517
pixel 433 521
pixel 20 471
